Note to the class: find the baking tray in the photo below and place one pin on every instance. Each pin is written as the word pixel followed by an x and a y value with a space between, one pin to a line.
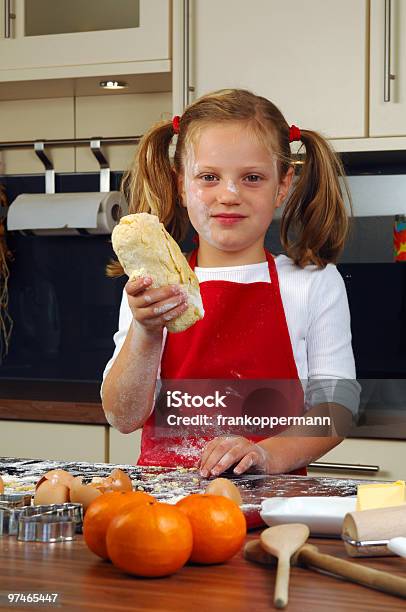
pixel 171 484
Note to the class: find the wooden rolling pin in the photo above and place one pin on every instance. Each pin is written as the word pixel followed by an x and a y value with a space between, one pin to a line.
pixel 310 557
pixel 369 525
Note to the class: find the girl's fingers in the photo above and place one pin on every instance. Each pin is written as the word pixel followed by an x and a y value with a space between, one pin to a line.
pixel 137 286
pixel 213 452
pixel 222 455
pixel 155 307
pixel 247 462
pixel 153 297
pixel 228 459
pixel 206 452
pixel 162 311
pixel 152 320
pixel 256 457
pixel 172 314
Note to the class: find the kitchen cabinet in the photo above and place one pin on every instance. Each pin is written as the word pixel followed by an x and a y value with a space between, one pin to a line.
pixel 48 39
pixel 309 58
pixel 49 118
pixel 124 448
pixel 118 116
pixel 389 455
pixel 388 118
pixel 59 441
pixel 83 117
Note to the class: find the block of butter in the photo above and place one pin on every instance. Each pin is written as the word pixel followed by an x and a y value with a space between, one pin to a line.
pixel 381 495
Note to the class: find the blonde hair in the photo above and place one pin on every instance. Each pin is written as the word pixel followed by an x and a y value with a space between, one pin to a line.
pixel 314 222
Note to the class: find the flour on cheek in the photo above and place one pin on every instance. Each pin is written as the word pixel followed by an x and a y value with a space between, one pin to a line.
pixel 199 213
pixel 197 208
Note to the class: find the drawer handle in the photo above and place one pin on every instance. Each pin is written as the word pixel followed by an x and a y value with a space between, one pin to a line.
pixel 345 467
pixel 8 16
pixel 387 51
pixel 186 52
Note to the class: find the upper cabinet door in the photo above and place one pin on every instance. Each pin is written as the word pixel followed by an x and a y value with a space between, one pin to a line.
pixel 388 42
pixel 309 57
pixel 57 33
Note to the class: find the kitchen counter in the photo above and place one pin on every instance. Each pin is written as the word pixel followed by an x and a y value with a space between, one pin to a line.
pixel 84 582
pixel 48 411
pixel 170 484
pixel 51 401
pixel 63 403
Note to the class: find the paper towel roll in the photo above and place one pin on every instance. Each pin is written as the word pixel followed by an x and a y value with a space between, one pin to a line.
pixel 66 213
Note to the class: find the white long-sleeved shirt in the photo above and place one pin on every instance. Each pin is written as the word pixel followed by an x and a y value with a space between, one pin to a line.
pixel 318 319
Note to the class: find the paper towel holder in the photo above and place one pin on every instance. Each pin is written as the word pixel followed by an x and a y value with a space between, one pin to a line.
pixel 39 149
pixel 95 147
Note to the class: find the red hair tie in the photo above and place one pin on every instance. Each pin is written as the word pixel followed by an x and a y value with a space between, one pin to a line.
pixel 175 124
pixel 294 133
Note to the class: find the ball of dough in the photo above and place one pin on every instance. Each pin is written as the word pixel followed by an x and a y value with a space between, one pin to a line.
pixel 144 247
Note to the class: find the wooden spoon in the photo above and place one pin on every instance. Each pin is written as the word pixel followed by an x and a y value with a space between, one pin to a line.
pixel 282 541
pixel 308 556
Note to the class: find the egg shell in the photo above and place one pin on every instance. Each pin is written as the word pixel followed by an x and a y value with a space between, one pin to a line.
pixel 1 485
pixel 57 477
pixel 83 494
pixel 117 481
pixel 226 488
pixel 51 493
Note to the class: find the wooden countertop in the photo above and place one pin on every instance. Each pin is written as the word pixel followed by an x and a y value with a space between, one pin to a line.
pixel 91 413
pixel 51 401
pixel 85 413
pixel 85 582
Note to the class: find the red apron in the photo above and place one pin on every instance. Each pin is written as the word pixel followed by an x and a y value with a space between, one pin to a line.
pixel 243 335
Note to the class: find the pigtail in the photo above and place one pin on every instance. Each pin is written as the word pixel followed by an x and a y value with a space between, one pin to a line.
pixel 149 185
pixel 314 223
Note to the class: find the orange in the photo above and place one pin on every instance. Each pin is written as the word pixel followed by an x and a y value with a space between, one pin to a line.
pixel 219 527
pixel 102 510
pixel 153 539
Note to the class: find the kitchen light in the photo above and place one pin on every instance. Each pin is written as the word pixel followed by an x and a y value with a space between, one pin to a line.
pixel 113 84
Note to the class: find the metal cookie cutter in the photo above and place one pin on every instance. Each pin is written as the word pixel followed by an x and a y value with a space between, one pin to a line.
pixel 49 523
pixel 15 499
pixel 10 506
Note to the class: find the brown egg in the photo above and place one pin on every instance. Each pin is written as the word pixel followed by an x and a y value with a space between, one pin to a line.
pixel 117 481
pixel 1 485
pixel 56 477
pixel 224 487
pixel 83 494
pixel 51 493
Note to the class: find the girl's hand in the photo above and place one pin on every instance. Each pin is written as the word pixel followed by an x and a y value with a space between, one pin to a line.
pixel 153 308
pixel 224 451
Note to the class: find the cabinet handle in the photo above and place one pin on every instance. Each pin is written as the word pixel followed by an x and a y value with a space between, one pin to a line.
pixel 186 52
pixel 345 467
pixel 8 16
pixel 387 50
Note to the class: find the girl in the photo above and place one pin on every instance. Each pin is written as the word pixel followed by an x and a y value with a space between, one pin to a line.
pixel 266 317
